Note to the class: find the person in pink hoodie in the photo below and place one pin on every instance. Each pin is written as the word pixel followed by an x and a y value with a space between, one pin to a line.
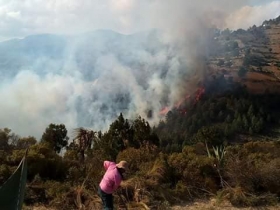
pixel 110 182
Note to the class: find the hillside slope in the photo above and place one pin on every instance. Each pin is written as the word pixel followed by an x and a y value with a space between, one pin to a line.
pixel 256 50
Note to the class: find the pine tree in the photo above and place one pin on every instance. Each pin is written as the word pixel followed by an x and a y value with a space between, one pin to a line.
pixel 56 137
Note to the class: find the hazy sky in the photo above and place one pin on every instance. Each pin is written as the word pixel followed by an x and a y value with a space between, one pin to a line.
pixel 19 18
pixel 31 100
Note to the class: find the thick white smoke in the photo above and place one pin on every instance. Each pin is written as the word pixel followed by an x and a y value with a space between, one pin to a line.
pixel 99 75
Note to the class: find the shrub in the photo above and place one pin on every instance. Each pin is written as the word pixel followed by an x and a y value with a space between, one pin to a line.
pixel 242 71
pixel 194 171
pixel 5 173
pixel 270 176
pixel 55 191
pixel 253 172
pixel 240 198
pixel 138 157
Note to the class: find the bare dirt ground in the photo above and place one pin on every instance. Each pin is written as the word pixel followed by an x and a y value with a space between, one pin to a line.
pixel 212 205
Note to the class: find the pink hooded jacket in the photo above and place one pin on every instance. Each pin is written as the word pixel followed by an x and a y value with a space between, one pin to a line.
pixel 111 179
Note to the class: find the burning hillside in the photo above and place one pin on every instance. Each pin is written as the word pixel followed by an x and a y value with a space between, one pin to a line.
pixel 188 99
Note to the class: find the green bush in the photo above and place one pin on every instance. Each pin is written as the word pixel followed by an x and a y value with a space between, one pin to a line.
pixel 5 173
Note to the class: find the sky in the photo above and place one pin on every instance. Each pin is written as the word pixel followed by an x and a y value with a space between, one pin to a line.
pixel 26 17
pixel 31 100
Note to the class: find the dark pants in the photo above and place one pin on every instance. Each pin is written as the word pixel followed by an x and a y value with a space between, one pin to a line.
pixel 107 200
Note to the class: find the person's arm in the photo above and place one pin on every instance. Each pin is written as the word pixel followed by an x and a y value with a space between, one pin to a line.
pixel 106 164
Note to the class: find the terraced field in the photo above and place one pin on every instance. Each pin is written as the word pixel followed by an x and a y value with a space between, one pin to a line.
pixel 274 36
pixel 264 46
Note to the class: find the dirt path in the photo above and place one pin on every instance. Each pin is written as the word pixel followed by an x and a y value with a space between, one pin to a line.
pixel 212 205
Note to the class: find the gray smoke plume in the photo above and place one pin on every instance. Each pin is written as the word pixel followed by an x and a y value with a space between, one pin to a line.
pixel 88 79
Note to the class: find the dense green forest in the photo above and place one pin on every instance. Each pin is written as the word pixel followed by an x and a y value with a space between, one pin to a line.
pixel 212 145
pixel 219 115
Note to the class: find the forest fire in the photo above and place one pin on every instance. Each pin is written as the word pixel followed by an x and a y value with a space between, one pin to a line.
pixel 164 111
pixel 186 98
pixel 179 105
pixel 199 94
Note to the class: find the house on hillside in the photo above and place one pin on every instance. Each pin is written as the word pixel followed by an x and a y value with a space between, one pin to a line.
pixel 228 77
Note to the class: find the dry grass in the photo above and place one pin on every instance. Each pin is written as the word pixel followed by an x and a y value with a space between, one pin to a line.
pixel 262 87
pixel 260 76
pixel 198 205
pixel 258 82
pixel 38 208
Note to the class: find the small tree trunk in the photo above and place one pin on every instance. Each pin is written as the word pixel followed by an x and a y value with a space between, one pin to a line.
pixel 220 176
pixel 82 156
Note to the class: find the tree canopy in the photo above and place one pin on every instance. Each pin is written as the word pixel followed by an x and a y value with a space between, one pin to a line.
pixel 56 137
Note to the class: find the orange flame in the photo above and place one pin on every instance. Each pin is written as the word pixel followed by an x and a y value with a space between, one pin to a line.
pixel 164 111
pixel 199 93
pixel 197 96
pixel 178 104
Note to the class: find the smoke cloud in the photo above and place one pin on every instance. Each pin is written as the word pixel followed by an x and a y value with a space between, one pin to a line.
pixel 89 78
pixel 252 15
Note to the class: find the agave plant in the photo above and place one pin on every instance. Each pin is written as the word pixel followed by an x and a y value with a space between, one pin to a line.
pixel 219 152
